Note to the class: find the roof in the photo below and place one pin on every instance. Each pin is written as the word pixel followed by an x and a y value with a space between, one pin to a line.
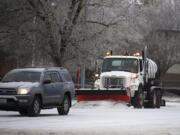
pixel 35 69
pixel 30 69
pixel 175 69
pixel 119 56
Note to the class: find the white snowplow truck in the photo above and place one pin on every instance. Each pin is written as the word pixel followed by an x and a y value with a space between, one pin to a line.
pixel 128 78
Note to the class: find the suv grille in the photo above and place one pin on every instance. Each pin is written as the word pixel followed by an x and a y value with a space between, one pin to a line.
pixel 113 82
pixel 7 91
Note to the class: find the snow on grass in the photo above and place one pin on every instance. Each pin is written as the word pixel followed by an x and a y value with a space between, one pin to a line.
pixel 171 97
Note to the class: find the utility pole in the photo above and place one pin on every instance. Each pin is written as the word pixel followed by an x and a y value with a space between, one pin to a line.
pixel 83 65
pixel 34 45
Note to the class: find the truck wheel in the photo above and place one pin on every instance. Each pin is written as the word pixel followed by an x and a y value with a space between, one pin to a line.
pixel 158 102
pixel 138 100
pixel 23 112
pixel 65 106
pixel 35 108
pixel 163 103
pixel 154 99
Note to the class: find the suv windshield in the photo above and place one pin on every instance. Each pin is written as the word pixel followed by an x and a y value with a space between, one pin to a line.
pixel 22 76
pixel 120 64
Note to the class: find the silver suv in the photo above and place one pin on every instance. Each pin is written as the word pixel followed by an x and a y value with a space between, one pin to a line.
pixel 29 90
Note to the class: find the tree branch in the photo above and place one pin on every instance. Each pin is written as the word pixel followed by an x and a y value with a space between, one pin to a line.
pixel 77 13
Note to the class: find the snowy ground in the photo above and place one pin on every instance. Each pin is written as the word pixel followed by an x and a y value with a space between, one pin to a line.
pixel 97 118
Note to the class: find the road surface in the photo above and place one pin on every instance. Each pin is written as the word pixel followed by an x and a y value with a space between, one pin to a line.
pixel 96 118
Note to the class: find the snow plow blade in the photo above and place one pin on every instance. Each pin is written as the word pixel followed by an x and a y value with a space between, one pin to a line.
pixel 92 94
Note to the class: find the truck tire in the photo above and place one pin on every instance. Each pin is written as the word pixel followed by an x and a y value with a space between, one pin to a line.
pixel 154 99
pixel 158 102
pixel 65 106
pixel 35 108
pixel 163 103
pixel 138 101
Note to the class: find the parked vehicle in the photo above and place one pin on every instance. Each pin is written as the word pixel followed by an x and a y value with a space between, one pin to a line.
pixel 128 78
pixel 29 90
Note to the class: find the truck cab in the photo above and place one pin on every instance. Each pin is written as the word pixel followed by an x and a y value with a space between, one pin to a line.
pixel 121 72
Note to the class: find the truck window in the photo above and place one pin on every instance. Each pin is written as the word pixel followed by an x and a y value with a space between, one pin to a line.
pixel 120 64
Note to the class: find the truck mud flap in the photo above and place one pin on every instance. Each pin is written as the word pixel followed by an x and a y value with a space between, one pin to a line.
pixel 85 95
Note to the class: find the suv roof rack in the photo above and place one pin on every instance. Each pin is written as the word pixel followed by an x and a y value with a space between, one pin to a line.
pixel 55 68
pixel 33 67
pixel 46 68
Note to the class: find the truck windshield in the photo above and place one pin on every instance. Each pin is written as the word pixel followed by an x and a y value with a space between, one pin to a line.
pixel 22 76
pixel 120 64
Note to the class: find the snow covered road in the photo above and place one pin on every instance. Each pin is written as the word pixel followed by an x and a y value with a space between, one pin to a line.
pixel 99 118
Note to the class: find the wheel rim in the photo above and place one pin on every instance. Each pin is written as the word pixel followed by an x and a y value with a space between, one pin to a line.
pixel 36 106
pixel 66 105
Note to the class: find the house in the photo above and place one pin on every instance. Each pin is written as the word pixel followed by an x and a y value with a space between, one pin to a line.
pixel 171 80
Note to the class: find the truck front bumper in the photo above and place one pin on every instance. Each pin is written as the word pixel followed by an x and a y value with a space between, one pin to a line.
pixel 14 102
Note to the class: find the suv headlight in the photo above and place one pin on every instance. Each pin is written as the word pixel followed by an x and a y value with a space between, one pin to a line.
pixel 23 91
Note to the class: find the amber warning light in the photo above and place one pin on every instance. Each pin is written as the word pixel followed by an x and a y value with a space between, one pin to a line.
pixel 137 54
pixel 109 53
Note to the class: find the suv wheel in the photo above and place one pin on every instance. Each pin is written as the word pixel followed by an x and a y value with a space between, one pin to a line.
pixel 64 108
pixel 35 108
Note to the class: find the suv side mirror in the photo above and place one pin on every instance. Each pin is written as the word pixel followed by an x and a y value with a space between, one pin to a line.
pixel 0 79
pixel 47 81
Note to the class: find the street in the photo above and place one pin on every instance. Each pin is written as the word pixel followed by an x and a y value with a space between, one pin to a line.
pixel 96 118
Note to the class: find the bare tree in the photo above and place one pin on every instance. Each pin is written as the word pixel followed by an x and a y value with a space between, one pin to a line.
pixel 56 29
pixel 58 25
pixel 163 47
pixel 162 35
pixel 14 31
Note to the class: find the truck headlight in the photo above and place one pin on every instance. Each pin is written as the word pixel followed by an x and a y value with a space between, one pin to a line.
pixel 96 75
pixel 135 76
pixel 23 91
pixel 96 86
pixel 133 87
